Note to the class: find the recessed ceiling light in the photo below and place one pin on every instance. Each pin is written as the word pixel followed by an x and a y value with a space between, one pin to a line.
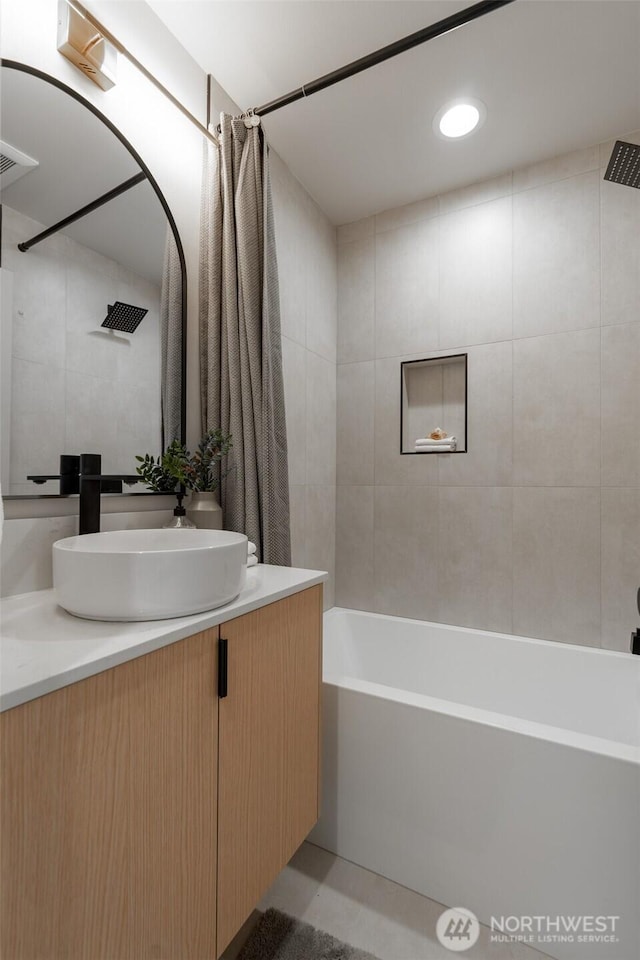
pixel 459 118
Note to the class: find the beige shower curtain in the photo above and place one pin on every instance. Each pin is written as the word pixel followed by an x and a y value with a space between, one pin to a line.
pixel 240 346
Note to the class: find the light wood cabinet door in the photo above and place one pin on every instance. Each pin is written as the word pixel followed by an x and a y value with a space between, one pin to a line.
pixel 268 759
pixel 108 813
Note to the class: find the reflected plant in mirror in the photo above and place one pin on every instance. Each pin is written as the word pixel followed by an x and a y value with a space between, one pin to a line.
pixel 163 475
pixel 92 278
pixel 199 472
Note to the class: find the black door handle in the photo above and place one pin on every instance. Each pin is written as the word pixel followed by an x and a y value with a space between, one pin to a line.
pixel 222 667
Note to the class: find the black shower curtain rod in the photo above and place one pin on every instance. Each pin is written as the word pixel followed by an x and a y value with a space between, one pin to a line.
pixel 385 53
pixel 83 211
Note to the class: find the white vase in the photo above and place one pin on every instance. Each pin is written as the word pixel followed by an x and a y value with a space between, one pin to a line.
pixel 205 511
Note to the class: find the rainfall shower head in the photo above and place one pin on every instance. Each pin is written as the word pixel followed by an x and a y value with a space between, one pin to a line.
pixel 124 316
pixel 624 165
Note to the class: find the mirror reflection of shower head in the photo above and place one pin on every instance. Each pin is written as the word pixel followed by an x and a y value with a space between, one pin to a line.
pixel 624 165
pixel 124 316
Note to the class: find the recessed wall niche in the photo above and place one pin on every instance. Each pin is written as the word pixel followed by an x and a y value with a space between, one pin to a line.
pixel 433 394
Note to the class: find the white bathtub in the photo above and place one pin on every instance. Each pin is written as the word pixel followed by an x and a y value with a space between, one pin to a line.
pixel 486 771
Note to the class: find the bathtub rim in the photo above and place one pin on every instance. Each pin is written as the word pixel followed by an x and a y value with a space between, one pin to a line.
pixel 535 641
pixel 588 743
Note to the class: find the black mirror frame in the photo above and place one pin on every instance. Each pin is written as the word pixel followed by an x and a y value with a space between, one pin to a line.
pixel 25 68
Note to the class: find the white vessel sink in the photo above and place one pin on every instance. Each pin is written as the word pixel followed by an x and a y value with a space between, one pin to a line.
pixel 148 574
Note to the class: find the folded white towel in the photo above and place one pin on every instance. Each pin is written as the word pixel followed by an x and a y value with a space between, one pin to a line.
pixel 428 441
pixel 435 448
pixel 436 443
pixel 252 561
pixel 251 547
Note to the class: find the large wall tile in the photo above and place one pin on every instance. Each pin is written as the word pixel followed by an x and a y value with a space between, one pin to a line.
pixel 142 364
pixel 474 557
pixel 620 566
pixel 476 193
pixel 39 314
pixel 92 408
pixel 357 230
pixel 26 552
pixel 291 246
pixel 556 257
pixel 621 405
pixel 294 370
pixel 406 551
pixel 37 426
pixel 410 213
pixel 39 290
pixel 354 547
pixel 89 261
pixel 489 457
pixel 392 467
pixel 556 564
pixel 356 295
pixel 620 225
pixel 321 534
pixel 138 429
pixel 321 296
pixel 140 359
pixel 94 354
pixel 355 423
pixel 475 274
pixel 556 168
pixel 407 289
pixel 308 298
pixel 91 287
pixel 321 420
pixel 556 410
pixel 298 520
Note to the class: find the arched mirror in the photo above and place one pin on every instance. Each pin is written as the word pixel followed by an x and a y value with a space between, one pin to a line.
pixel 93 292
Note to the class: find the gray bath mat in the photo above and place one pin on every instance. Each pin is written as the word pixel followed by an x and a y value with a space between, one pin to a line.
pixel 280 937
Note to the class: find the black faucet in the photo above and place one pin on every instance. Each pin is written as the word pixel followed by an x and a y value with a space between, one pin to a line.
pixel 82 475
pixel 635 637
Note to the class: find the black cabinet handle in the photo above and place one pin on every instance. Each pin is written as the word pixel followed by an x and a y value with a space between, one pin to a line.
pixel 222 667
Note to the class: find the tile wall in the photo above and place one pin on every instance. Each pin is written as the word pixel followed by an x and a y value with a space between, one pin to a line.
pixel 536 530
pixel 25 549
pixel 306 246
pixel 75 387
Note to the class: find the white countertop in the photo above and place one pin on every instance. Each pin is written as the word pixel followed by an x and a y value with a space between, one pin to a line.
pixel 44 648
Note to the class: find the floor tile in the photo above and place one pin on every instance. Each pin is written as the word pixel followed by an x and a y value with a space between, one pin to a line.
pixel 370 912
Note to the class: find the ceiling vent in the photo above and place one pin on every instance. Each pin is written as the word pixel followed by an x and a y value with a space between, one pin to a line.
pixel 13 164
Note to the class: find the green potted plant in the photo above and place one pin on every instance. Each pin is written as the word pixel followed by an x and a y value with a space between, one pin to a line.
pixel 199 473
pixel 164 474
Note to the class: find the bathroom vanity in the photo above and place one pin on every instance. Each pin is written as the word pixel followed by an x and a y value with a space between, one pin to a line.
pixel 146 804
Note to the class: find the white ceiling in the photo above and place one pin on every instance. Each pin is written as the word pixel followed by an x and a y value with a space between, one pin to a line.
pixel 79 160
pixel 555 75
